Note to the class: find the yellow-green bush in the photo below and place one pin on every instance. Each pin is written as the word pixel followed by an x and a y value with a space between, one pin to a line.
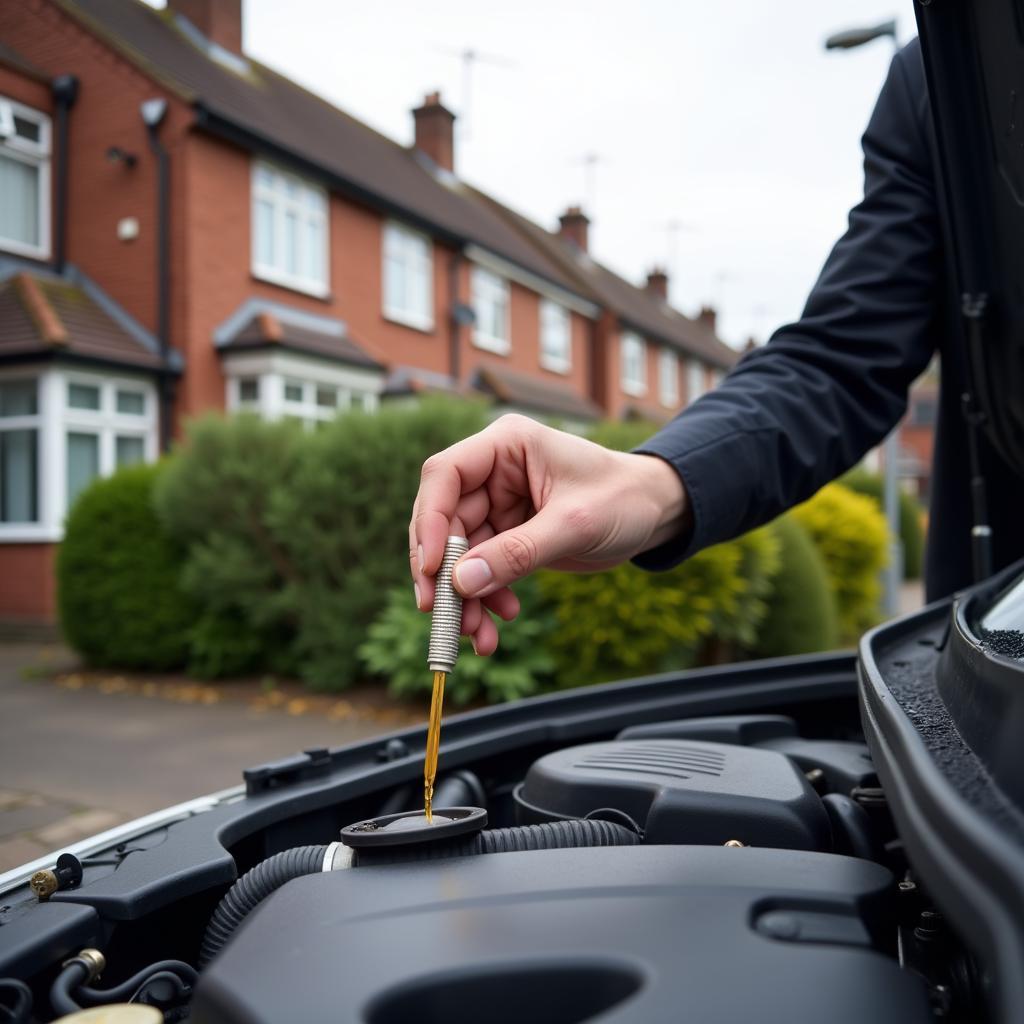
pixel 801 615
pixel 627 622
pixel 911 517
pixel 850 532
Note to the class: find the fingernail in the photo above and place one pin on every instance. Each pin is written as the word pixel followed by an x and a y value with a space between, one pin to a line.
pixel 416 590
pixel 419 553
pixel 473 641
pixel 472 576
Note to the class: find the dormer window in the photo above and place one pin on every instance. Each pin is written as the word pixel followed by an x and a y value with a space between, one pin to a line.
pixel 24 180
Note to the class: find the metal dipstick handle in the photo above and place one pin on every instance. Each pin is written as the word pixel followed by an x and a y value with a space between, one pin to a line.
pixel 446 622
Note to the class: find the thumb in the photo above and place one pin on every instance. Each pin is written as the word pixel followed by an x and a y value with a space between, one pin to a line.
pixel 515 553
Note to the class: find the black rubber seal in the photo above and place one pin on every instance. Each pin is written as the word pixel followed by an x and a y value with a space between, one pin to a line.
pixel 409 828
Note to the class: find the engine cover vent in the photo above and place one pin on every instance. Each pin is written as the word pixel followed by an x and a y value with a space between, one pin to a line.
pixel 679 791
pixel 671 760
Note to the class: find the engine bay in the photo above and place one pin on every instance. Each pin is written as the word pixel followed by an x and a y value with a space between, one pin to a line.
pixel 714 843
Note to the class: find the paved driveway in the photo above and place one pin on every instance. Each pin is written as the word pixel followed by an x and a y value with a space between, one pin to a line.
pixel 74 761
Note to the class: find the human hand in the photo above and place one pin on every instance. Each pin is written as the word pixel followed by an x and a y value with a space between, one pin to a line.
pixel 527 496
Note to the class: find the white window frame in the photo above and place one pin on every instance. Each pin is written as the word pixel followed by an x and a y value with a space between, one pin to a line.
pixel 632 348
pixel 555 326
pixel 668 378
pixel 414 252
pixel 274 370
pixel 55 419
pixel 488 286
pixel 695 380
pixel 35 154
pixel 318 210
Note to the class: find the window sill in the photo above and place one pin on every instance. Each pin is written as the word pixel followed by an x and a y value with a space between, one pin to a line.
pixel 562 366
pixel 499 346
pixel 30 533
pixel 317 291
pixel 33 252
pixel 410 321
pixel 634 389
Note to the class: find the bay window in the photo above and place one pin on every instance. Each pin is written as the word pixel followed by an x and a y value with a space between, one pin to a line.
pixel 60 429
pixel 491 306
pixel 24 180
pixel 408 276
pixel 633 354
pixel 555 337
pixel 289 230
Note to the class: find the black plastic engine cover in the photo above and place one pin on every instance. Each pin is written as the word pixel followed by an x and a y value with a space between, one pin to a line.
pixel 681 792
pixel 631 935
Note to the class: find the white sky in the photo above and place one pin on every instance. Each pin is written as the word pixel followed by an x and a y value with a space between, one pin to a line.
pixel 727 118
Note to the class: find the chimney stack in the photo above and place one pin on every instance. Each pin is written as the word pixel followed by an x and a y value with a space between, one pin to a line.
pixel 435 131
pixel 657 283
pixel 573 226
pixel 707 317
pixel 219 20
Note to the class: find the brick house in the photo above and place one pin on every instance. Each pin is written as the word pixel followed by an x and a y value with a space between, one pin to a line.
pixel 183 229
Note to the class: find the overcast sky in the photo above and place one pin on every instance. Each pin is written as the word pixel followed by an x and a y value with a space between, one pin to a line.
pixel 728 119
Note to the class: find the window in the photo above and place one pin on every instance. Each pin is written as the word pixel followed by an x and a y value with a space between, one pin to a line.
pixel 106 424
pixel 668 378
pixel 555 337
pixel 19 451
pixel 312 403
pixel 408 277
pixel 24 180
pixel 633 352
pixel 491 306
pixel 694 380
pixel 289 230
pixel 248 390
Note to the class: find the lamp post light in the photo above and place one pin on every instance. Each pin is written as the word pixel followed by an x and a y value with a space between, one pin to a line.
pixel 849 39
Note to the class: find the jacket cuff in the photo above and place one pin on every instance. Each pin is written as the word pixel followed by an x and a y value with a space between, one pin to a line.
pixel 716 477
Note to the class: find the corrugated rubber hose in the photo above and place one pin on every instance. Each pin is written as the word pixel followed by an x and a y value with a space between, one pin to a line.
pixel 257 884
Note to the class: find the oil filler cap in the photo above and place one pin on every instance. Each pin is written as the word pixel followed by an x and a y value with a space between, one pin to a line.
pixel 409 828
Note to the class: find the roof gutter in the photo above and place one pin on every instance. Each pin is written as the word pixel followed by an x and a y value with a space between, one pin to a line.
pixel 65 92
pixel 153 113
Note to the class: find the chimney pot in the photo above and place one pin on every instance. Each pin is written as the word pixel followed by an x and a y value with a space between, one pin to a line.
pixel 708 316
pixel 574 227
pixel 657 283
pixel 219 20
pixel 435 131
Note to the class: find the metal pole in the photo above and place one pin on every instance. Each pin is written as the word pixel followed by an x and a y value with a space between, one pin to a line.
pixel 893 573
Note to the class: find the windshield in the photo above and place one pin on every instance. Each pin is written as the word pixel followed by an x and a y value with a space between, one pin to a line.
pixel 1002 626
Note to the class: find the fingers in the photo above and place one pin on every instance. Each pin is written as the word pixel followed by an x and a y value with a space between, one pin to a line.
pixel 485 640
pixel 444 480
pixel 509 556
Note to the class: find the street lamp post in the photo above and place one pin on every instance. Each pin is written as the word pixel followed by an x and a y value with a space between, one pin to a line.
pixel 849 39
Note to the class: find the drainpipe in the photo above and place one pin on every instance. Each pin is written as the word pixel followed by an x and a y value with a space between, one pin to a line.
pixel 153 113
pixel 455 318
pixel 65 92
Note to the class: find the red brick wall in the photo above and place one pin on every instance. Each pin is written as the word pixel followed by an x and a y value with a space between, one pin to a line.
pixel 28 584
pixel 16 85
pixel 105 114
pixel 648 405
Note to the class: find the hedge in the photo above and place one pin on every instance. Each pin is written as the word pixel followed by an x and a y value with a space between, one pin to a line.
pixel 911 515
pixel 295 539
pixel 118 597
pixel 802 616
pixel 850 533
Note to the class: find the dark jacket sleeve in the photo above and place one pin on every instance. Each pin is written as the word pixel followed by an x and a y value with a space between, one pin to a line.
pixel 808 405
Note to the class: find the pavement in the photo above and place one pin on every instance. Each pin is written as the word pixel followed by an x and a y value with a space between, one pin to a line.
pixel 79 756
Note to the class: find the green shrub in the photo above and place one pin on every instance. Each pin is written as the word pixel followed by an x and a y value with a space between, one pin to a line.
pixel 911 529
pixel 801 616
pixel 626 622
pixel 396 646
pixel 118 596
pixel 295 538
pixel 621 435
pixel 851 535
